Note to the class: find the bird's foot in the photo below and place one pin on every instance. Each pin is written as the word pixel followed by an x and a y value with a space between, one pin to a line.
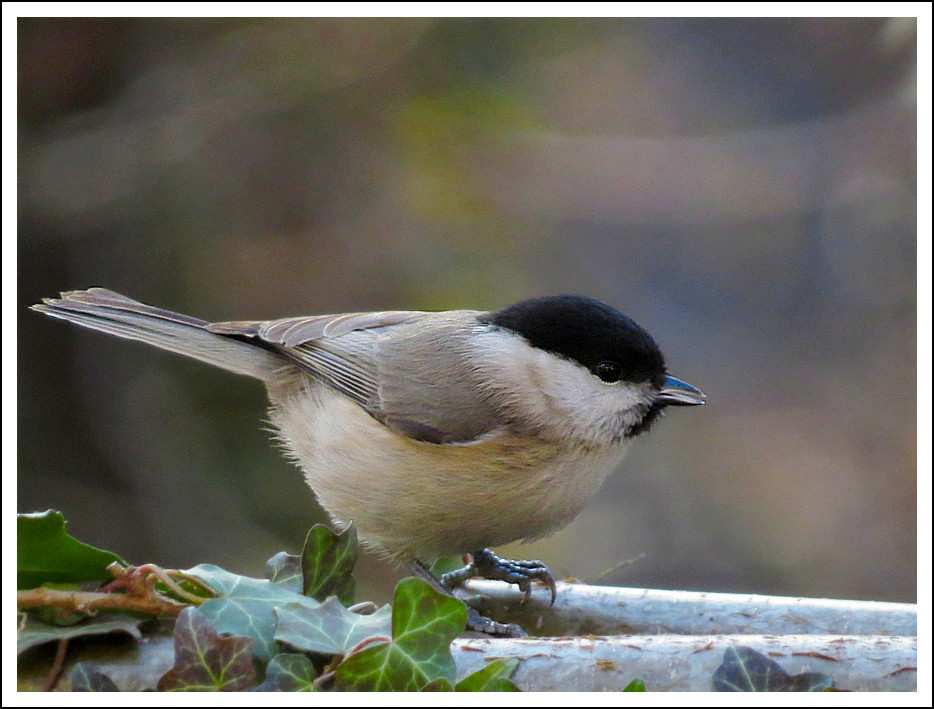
pixel 475 620
pixel 481 624
pixel 486 564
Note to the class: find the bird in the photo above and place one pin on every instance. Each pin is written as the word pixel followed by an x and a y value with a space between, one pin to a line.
pixel 436 433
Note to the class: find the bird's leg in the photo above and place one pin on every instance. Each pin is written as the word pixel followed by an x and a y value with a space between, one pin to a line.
pixel 475 620
pixel 486 564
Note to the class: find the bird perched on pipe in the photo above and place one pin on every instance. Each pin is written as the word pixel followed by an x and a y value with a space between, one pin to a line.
pixel 436 433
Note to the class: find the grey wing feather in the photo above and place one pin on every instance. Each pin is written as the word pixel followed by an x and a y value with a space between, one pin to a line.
pixel 290 332
pixel 347 364
pixel 337 349
pixel 388 363
pixel 428 387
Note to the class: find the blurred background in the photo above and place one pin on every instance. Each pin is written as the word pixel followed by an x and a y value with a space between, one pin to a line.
pixel 745 189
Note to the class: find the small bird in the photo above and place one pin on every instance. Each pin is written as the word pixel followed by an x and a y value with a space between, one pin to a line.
pixel 436 433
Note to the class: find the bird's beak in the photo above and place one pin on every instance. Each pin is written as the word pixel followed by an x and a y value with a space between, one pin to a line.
pixel 677 393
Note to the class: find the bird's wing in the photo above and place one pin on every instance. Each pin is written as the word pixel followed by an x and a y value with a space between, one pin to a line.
pixel 407 369
pixel 290 332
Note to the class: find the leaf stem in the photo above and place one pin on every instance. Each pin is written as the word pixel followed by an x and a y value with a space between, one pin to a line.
pixel 88 601
pixel 57 665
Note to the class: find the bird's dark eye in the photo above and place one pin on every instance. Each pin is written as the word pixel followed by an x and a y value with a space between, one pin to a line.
pixel 609 371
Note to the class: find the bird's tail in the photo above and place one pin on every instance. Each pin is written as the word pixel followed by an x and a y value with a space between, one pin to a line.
pixel 115 314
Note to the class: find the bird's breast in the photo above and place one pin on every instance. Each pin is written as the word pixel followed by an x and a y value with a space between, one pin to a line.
pixel 419 500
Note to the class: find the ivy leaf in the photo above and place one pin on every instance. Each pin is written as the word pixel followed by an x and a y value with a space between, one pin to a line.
pixel 285 570
pixel 745 670
pixel 329 629
pixel 85 678
pixel 206 662
pixel 245 606
pixel 441 684
pixel 50 615
pixel 637 685
pixel 492 678
pixel 45 553
pixel 810 682
pixel 445 564
pixel 327 563
pixel 424 622
pixel 289 673
pixel 35 632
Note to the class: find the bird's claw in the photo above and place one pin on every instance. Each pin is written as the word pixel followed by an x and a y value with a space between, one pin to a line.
pixel 481 624
pixel 487 565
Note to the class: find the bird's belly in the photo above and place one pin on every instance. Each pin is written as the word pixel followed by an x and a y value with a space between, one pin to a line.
pixel 417 500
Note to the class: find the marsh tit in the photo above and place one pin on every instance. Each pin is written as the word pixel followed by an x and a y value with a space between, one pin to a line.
pixel 436 433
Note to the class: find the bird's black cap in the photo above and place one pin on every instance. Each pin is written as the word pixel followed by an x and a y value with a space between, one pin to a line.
pixel 586 331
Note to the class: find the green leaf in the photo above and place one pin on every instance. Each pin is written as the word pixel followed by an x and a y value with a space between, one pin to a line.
pixel 206 662
pixel 289 672
pixel 35 632
pixel 246 606
pixel 45 553
pixel 445 564
pixel 438 685
pixel 492 678
pixel 810 682
pixel 285 570
pixel 424 622
pixel 329 629
pixel 637 685
pixel 85 678
pixel 55 616
pixel 327 563
pixel 745 670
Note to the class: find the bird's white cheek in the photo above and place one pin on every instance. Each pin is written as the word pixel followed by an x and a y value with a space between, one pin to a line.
pixel 591 407
pixel 556 396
